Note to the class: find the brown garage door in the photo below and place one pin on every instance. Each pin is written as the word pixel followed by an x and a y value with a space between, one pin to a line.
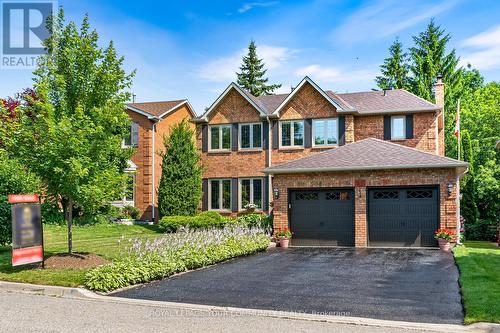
pixel 322 217
pixel 403 217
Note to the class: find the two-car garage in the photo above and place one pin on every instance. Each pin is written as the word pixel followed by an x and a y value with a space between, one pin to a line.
pixel 397 216
pixel 370 193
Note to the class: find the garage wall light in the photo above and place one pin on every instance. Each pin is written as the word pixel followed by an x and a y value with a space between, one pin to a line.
pixel 276 192
pixel 449 188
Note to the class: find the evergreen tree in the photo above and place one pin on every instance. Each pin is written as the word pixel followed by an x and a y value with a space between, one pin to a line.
pixel 179 192
pixel 395 68
pixel 251 76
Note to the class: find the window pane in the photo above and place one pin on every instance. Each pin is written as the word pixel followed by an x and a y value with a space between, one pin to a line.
pixel 245 136
pixel 298 133
pixel 130 186
pixel 226 137
pixel 285 135
pixel 214 194
pixel 398 130
pixel 214 137
pixel 319 132
pixel 134 140
pixel 226 194
pixel 257 135
pixel 257 192
pixel 245 192
pixel 331 132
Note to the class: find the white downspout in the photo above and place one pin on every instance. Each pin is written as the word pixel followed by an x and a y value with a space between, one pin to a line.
pixel 269 163
pixel 155 120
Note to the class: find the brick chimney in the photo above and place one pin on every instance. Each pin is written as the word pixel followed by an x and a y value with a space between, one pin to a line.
pixel 439 101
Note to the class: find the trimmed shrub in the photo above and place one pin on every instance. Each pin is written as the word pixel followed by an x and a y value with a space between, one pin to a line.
pixel 145 261
pixel 202 220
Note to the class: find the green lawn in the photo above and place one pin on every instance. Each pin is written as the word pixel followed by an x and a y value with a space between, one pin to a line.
pixel 479 264
pixel 100 239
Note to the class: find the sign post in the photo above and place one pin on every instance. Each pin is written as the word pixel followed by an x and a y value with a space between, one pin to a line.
pixel 27 232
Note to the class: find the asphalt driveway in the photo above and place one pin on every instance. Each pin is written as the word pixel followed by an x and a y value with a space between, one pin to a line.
pixel 392 284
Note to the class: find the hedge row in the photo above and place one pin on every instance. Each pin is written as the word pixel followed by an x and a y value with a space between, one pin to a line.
pixel 160 259
pixel 212 219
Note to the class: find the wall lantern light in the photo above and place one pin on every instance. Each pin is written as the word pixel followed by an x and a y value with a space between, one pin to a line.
pixel 449 187
pixel 276 192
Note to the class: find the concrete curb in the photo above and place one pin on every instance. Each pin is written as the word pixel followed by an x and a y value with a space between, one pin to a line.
pixel 80 293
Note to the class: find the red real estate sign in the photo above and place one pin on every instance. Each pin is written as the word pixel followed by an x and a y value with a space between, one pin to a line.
pixel 27 236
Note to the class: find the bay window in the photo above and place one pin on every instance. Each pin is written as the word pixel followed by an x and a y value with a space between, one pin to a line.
pixel 220 194
pixel 220 137
pixel 292 133
pixel 325 132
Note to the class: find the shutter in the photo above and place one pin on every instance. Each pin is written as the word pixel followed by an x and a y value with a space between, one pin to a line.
pixel 265 197
pixel 308 133
pixel 204 188
pixel 409 126
pixel 275 135
pixel 341 130
pixel 234 194
pixel 265 135
pixel 204 138
pixel 234 137
pixel 387 127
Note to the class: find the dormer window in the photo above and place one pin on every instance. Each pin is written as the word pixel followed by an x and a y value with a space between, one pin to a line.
pixel 398 128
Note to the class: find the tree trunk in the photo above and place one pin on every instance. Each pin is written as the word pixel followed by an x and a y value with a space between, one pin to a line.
pixel 69 219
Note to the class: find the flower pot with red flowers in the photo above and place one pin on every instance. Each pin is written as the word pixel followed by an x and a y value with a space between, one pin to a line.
pixel 283 236
pixel 444 237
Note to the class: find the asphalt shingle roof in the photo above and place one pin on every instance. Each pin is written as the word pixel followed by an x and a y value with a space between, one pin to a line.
pixel 156 108
pixel 368 154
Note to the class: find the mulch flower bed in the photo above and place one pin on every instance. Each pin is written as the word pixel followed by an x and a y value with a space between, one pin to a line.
pixel 76 260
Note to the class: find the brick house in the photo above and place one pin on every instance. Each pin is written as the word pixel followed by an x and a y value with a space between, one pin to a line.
pixel 354 169
pixel 151 121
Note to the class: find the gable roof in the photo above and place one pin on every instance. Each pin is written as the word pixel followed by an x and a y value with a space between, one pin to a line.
pixel 254 101
pixel 368 154
pixel 305 80
pixel 159 109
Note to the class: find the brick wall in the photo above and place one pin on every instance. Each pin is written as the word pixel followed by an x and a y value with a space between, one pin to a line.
pixel 424 130
pixel 360 181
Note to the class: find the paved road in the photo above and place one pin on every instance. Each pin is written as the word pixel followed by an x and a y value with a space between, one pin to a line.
pixel 396 284
pixel 34 313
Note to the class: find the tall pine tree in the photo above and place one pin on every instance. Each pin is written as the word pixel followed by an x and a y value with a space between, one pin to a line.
pixel 395 68
pixel 251 76
pixel 179 192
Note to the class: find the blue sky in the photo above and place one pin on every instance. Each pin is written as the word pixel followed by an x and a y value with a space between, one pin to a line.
pixel 191 49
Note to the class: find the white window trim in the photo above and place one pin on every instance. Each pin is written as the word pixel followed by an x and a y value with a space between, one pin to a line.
pixel 220 138
pixel 240 193
pixel 251 136
pixel 313 133
pixel 221 194
pixel 124 202
pixel 292 132
pixel 392 128
pixel 131 145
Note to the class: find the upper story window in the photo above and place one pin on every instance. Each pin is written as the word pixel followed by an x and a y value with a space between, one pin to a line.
pixel 132 139
pixel 292 133
pixel 251 136
pixel 325 132
pixel 220 137
pixel 398 128
pixel 220 194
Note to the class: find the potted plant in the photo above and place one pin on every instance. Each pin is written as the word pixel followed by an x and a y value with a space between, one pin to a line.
pixel 284 236
pixel 444 237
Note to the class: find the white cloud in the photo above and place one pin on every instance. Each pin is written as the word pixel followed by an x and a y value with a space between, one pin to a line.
pixel 386 18
pixel 223 69
pixel 250 5
pixel 341 77
pixel 486 53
